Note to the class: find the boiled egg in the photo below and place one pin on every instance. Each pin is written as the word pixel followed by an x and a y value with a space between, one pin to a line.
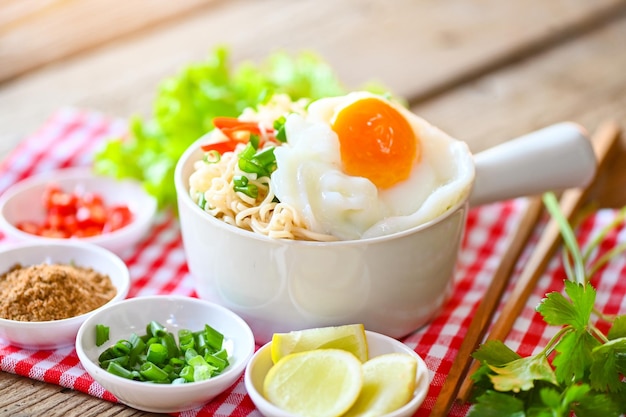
pixel 361 165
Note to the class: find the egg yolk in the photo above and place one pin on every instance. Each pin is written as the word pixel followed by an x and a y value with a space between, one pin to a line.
pixel 376 142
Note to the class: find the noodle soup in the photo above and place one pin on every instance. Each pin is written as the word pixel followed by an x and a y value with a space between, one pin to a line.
pixel 322 239
pixel 341 168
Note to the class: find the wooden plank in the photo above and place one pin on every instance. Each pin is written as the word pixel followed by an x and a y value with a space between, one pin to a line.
pixel 582 80
pixel 34 33
pixel 25 397
pixel 409 46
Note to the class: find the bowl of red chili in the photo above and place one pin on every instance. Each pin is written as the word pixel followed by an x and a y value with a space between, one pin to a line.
pixel 76 203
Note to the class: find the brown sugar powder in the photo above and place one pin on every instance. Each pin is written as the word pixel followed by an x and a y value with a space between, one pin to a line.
pixel 52 292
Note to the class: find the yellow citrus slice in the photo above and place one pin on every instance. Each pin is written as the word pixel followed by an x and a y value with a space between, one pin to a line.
pixel 388 384
pixel 349 337
pixel 316 383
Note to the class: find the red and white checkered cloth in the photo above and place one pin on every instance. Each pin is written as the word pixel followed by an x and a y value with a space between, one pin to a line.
pixel 158 266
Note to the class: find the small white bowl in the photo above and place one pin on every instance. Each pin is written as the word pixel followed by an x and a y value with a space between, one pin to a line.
pixel 59 333
pixel 22 202
pixel 378 344
pixel 173 312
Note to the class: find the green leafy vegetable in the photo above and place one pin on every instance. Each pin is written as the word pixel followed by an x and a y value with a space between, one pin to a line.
pixel 186 104
pixel 581 370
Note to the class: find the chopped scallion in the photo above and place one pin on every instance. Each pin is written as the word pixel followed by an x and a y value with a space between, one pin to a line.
pixel 102 334
pixel 279 127
pixel 202 201
pixel 158 358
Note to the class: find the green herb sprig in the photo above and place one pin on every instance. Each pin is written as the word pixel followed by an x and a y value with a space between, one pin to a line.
pixel 581 370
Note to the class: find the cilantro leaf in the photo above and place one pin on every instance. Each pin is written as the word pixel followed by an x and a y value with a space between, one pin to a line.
pixel 608 365
pixel 618 329
pixel 595 404
pixel 492 352
pixel 579 399
pixel 495 404
pixel 496 353
pixel 559 311
pixel 553 403
pixel 573 357
pixel 521 374
pixel 590 367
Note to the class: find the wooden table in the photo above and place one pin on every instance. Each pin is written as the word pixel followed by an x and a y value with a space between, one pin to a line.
pixel 486 71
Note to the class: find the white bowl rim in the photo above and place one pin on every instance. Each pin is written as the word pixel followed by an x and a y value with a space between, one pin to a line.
pixel 422 387
pixel 140 218
pixel 121 294
pixel 184 197
pixel 237 367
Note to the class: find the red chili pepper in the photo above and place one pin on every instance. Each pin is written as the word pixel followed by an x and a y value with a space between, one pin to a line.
pixel 220 147
pixel 230 126
pixel 72 214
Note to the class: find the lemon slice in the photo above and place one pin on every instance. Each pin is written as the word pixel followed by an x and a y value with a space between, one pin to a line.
pixel 349 337
pixel 388 384
pixel 316 383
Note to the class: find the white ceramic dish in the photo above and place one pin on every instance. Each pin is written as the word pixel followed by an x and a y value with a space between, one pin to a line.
pixel 22 202
pixel 59 333
pixel 173 312
pixel 392 284
pixel 378 344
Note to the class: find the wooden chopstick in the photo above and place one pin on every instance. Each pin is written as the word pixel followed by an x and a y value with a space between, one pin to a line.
pixel 487 307
pixel 604 141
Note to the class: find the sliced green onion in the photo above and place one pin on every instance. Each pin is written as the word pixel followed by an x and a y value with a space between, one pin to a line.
pixel 186 340
pixel 102 334
pixel 222 354
pixel 156 329
pixel 138 346
pixel 157 353
pixel 201 200
pixel 169 343
pixel 248 152
pixel 157 357
pixel 242 185
pixel 216 362
pixel 187 373
pixel 117 369
pixel 120 360
pixel 254 141
pixel 153 373
pixel 214 338
pixel 212 157
pixel 279 127
pixel 203 372
pixel 266 159
pixel 262 163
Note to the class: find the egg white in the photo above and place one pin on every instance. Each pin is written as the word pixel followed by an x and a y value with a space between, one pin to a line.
pixel 310 177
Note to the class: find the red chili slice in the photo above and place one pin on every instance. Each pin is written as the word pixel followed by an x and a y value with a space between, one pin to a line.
pixel 74 214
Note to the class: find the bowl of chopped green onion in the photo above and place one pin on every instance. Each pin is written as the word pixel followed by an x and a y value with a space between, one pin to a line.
pixel 165 354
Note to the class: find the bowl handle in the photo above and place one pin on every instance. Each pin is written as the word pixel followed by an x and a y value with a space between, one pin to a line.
pixel 554 158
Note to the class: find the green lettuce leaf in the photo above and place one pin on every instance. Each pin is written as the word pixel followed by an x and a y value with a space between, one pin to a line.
pixel 186 104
